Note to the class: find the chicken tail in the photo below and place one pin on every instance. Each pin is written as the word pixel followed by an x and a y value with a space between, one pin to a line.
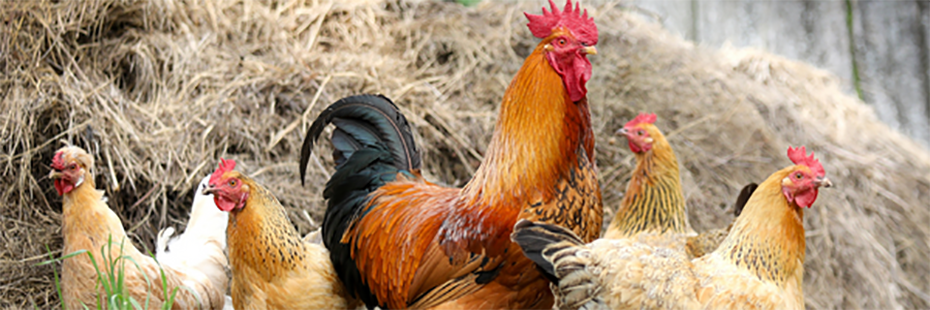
pixel 743 197
pixel 161 241
pixel 565 260
pixel 372 143
pixel 363 121
pixel 202 246
pixel 708 241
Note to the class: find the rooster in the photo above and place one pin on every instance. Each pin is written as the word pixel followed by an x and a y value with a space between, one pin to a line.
pixel 399 241
pixel 760 264
pixel 89 224
pixel 272 267
pixel 202 246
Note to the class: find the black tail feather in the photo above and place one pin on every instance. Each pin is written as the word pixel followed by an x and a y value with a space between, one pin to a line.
pixel 361 121
pixel 372 142
pixel 539 240
pixel 566 261
pixel 743 197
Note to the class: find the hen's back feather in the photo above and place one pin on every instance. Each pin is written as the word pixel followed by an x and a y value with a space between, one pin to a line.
pixel 202 246
pixel 658 276
pixel 750 270
pixel 709 240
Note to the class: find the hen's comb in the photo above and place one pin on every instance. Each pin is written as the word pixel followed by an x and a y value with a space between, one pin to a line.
pixel 225 166
pixel 799 157
pixel 642 118
pixel 578 22
pixel 58 161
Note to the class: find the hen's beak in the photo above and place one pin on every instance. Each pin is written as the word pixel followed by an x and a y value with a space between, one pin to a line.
pixel 824 182
pixel 622 131
pixel 210 189
pixel 590 50
pixel 55 174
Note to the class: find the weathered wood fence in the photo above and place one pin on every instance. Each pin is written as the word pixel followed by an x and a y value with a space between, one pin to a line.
pixel 879 48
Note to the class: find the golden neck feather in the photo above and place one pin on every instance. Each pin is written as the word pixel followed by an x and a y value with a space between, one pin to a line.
pixel 653 201
pixel 768 237
pixel 263 224
pixel 84 214
pixel 536 139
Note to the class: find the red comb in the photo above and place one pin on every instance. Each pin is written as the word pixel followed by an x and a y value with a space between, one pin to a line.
pixel 58 161
pixel 799 157
pixel 225 166
pixel 580 25
pixel 647 118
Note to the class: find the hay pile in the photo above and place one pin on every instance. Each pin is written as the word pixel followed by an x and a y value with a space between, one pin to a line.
pixel 159 90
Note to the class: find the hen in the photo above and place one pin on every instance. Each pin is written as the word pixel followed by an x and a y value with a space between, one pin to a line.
pixel 89 224
pixel 760 264
pixel 709 240
pixel 653 206
pixel 202 246
pixel 399 241
pixel 653 209
pixel 272 268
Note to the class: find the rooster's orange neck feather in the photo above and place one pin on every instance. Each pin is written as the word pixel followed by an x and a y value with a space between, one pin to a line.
pixel 536 140
pixel 768 237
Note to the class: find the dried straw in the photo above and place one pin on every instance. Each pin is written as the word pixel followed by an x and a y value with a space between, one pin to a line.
pixel 159 90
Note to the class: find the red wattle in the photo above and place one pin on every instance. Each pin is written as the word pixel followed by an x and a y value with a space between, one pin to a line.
pixel 575 70
pixel 577 77
pixel 806 199
pixel 63 187
pixel 633 147
pixel 223 204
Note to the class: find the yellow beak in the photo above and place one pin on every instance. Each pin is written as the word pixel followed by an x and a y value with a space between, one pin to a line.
pixel 590 50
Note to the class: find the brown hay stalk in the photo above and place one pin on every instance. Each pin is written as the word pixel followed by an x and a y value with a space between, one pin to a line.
pixel 159 90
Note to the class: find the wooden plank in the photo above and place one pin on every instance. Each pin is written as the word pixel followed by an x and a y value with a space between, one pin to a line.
pixel 888 39
pixel 892 44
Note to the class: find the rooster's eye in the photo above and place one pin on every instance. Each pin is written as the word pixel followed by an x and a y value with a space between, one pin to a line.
pixel 561 41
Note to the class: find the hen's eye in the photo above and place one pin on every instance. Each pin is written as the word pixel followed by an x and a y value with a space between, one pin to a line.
pixel 640 133
pixel 798 175
pixel 232 183
pixel 561 41
pixel 73 167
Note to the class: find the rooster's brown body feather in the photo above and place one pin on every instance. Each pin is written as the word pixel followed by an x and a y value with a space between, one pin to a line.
pixel 420 245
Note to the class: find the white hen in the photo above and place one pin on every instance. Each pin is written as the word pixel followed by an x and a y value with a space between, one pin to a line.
pixel 202 246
